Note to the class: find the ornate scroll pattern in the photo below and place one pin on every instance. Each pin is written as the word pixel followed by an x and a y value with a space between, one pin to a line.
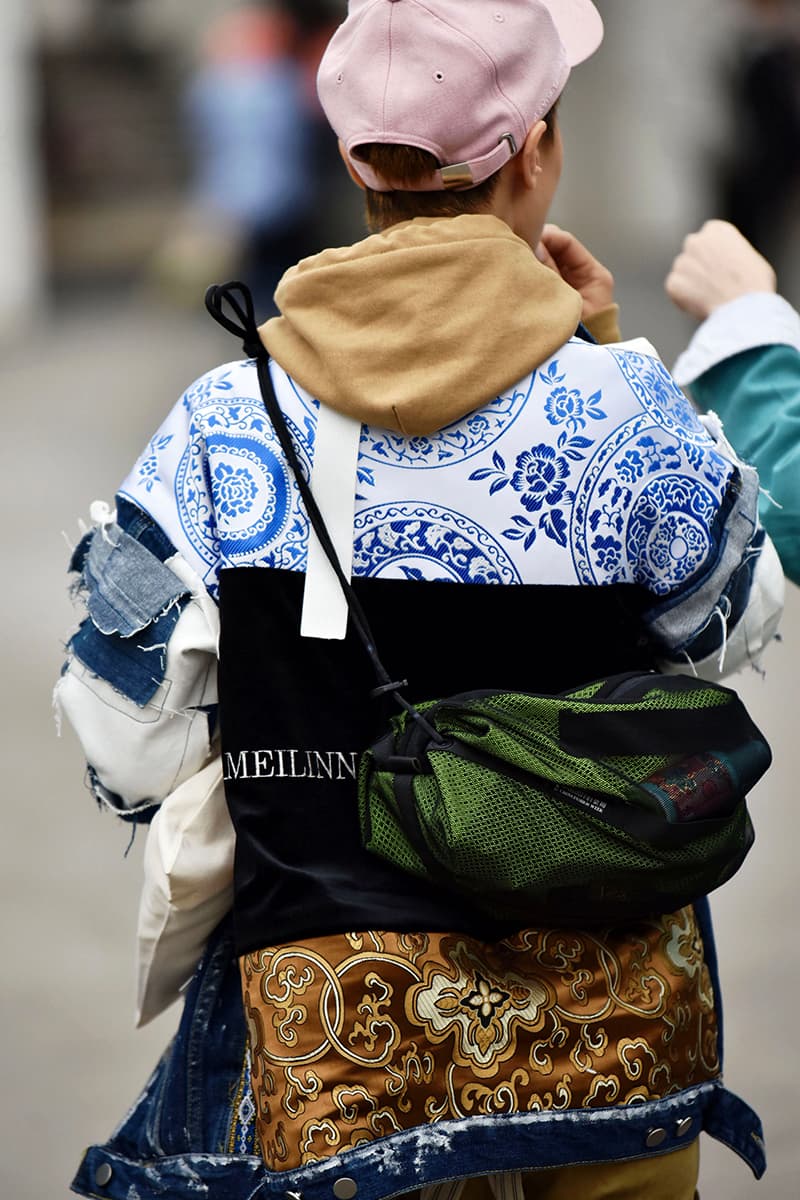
pixel 356 1036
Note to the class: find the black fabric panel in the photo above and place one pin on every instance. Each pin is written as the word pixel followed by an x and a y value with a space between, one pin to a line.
pixel 296 713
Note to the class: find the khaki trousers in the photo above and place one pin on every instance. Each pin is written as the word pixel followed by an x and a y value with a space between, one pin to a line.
pixel 664 1177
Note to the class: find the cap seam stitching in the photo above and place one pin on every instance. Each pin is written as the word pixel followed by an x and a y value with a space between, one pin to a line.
pixel 388 70
pixel 485 55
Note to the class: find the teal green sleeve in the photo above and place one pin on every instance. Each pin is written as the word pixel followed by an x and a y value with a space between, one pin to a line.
pixel 757 397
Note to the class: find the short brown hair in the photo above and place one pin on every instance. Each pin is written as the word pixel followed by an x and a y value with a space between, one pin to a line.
pixel 407 165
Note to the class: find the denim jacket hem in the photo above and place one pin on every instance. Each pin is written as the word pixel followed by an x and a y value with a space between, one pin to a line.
pixel 177 1139
pixel 446 1150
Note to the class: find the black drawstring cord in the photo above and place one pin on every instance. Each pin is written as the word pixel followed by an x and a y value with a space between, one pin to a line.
pixel 242 304
pixel 237 296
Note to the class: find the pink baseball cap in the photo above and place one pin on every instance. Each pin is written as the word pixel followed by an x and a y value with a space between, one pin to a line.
pixel 464 79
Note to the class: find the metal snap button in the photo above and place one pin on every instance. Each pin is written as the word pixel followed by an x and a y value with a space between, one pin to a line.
pixel 656 1137
pixel 345 1188
pixel 683 1127
pixel 103 1175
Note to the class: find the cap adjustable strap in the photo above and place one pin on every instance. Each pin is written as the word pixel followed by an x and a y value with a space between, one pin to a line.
pixel 470 174
pixel 457 175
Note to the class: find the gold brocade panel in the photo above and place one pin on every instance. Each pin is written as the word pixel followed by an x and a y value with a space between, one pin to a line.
pixel 356 1036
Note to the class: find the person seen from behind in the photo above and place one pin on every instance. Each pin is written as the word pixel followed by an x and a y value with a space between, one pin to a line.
pixel 526 509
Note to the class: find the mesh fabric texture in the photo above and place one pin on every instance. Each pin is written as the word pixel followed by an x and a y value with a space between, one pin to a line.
pixel 518 846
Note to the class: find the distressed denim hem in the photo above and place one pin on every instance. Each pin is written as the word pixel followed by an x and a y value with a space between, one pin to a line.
pixel 445 1151
pixel 107 1176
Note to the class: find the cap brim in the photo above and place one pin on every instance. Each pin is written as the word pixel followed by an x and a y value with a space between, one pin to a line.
pixel 579 26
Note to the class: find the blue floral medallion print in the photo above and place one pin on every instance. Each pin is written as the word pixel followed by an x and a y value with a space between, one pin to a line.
pixel 640 513
pixel 236 490
pixel 593 470
pixel 567 405
pixel 671 411
pixel 668 532
pixel 235 493
pixel 427 541
pixel 540 478
pixel 148 466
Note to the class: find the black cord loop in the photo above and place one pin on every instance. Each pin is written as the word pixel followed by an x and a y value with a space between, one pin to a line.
pixel 238 297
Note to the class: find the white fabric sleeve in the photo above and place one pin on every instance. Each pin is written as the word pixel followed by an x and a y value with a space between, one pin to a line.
pixel 138 755
pixel 758 319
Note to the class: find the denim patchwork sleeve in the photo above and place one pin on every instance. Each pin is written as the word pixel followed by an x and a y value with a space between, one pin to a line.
pixel 133 602
pixel 728 610
pixel 139 685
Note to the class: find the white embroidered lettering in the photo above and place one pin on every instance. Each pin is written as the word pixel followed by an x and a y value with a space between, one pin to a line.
pixel 324 765
pixel 336 766
pixel 236 768
pixel 293 771
pixel 264 767
pixel 346 762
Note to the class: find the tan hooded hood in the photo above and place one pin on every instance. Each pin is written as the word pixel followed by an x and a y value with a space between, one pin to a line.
pixel 415 327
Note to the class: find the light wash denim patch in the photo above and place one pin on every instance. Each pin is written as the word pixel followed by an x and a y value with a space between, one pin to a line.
pixel 126 586
pixel 134 602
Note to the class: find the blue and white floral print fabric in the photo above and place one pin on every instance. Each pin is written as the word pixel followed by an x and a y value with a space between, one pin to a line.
pixel 593 470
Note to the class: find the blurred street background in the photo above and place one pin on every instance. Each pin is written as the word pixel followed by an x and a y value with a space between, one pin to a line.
pixel 150 147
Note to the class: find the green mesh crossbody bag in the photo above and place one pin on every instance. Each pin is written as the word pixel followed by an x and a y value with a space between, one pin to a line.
pixel 614 801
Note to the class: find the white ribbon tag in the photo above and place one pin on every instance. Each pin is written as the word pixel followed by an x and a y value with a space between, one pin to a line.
pixel 333 482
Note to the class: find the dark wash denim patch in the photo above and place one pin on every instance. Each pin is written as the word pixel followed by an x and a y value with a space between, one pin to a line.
pixel 190 1133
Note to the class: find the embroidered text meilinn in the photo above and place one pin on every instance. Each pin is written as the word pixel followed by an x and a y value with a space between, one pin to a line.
pixel 291 764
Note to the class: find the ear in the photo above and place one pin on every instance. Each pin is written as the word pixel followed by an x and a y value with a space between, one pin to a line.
pixel 529 159
pixel 351 171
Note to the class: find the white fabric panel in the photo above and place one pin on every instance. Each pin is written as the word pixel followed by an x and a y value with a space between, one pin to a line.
pixel 188 888
pixel 333 485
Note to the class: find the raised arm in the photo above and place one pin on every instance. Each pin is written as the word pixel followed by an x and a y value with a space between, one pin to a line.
pixel 744 364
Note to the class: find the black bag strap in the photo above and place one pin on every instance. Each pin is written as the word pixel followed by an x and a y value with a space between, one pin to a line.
pixel 237 297
pixel 657 731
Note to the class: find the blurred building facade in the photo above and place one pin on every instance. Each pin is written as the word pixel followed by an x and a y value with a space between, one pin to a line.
pixel 179 138
pixel 21 251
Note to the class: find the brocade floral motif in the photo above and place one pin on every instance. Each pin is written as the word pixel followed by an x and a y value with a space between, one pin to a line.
pixel 357 1036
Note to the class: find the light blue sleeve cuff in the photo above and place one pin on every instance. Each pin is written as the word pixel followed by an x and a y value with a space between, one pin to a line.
pixel 758 319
